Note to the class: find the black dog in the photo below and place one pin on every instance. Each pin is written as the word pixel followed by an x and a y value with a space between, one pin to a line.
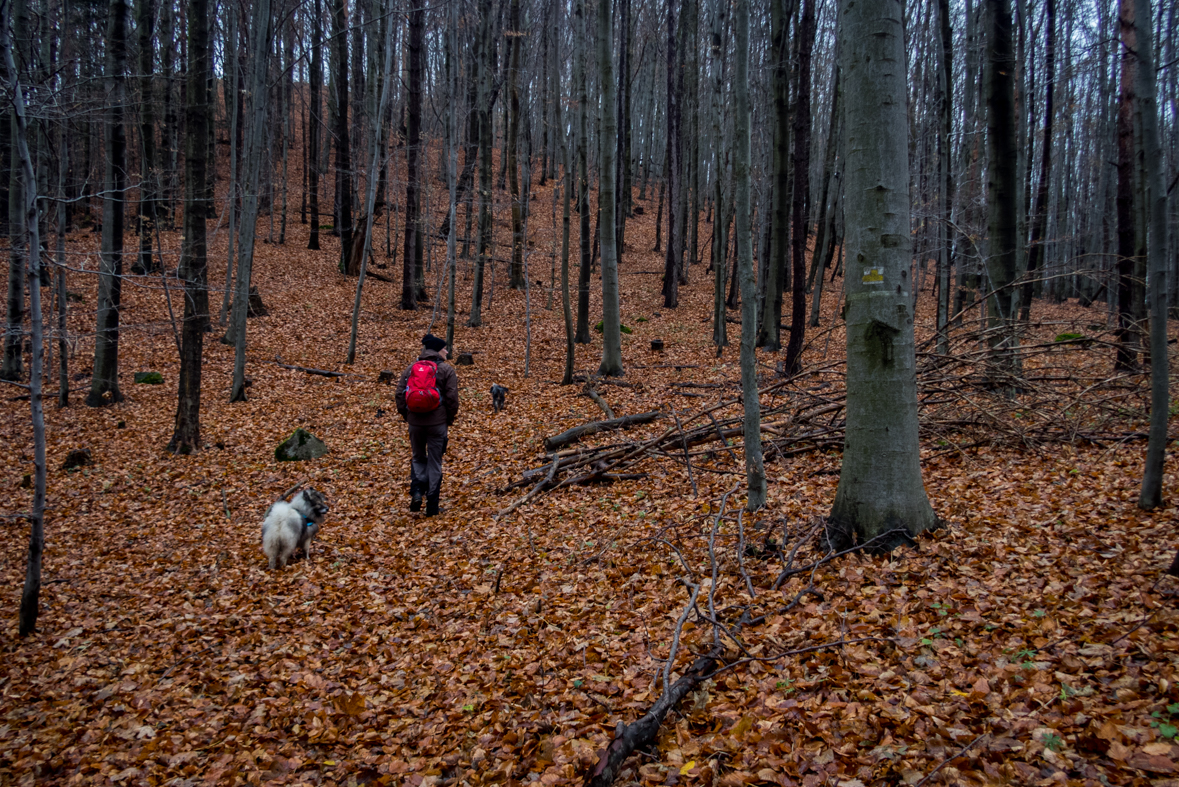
pixel 498 395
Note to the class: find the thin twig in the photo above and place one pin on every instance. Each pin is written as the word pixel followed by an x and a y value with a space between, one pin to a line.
pixel 946 762
pixel 679 630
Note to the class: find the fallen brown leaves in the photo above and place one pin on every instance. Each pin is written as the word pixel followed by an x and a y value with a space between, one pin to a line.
pixel 1030 640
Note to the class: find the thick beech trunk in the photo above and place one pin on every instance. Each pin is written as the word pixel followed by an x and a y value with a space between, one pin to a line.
pixel 880 487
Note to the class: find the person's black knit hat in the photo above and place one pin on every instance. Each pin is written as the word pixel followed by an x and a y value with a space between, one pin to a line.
pixel 432 342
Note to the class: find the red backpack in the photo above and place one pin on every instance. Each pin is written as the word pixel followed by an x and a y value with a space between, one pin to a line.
pixel 421 390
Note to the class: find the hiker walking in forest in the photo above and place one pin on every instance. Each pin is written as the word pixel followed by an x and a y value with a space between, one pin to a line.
pixel 427 398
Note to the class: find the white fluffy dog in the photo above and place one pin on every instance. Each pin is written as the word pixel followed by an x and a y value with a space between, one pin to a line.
pixel 289 526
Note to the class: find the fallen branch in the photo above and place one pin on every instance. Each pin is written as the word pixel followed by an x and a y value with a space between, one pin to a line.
pixel 599 401
pixel 641 734
pixel 576 433
pixel 548 479
pixel 308 370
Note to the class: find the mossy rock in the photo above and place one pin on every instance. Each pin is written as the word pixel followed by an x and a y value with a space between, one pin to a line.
pixel 300 446
pixel 621 327
pixel 149 378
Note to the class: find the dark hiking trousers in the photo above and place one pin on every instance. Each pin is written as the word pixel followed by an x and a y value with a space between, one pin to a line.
pixel 428 444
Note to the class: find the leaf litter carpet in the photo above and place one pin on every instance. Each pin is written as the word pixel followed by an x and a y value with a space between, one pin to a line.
pixel 1031 640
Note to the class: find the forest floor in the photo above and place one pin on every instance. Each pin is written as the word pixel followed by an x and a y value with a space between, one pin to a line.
pixel 1031 640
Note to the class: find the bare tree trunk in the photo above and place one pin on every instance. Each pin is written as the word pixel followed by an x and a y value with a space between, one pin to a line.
pixel 675 241
pixel 287 94
pixel 515 37
pixel 147 139
pixel 186 436
pixel 104 386
pixel 828 202
pixel 774 262
pixel 233 90
pixel 567 188
pixel 315 121
pixel 802 167
pixel 255 139
pixel 1040 209
pixel 1002 183
pixel 1155 200
pixel 413 144
pixel 720 225
pixel 13 364
pixel 452 178
pixel 1130 245
pixel 31 594
pixel 581 32
pixel 343 149
pixel 622 171
pixel 611 365
pixel 371 186
pixel 880 488
pixel 755 473
pixel 945 258
pixel 485 70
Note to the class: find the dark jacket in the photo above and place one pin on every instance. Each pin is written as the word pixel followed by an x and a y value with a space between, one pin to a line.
pixel 447 387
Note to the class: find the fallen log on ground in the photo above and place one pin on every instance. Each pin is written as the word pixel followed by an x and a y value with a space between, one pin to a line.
pixel 308 370
pixel 642 733
pixel 594 427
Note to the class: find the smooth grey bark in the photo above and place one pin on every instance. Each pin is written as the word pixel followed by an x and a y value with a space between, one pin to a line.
pixel 186 435
pixel 720 242
pixel 515 39
pixel 611 365
pixel 1155 199
pixel 769 334
pixel 63 355
pixel 828 201
pixel 255 139
pixel 232 87
pixel 104 385
pixel 946 94
pixel 342 140
pixel 801 190
pixel 452 177
pixel 755 472
pixel 581 33
pixel 287 88
pixel 880 487
pixel 672 274
pixel 148 187
pixel 12 367
pixel 1130 240
pixel 1002 185
pixel 412 285
pixel 485 67
pixel 314 122
pixel 31 593
pixel 1035 254
pixel 371 197
pixel 564 150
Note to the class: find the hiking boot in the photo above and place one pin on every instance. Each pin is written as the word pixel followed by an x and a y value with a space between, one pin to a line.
pixel 415 497
pixel 432 505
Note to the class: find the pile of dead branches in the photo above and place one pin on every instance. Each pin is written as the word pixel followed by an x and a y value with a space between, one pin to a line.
pixel 1050 392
